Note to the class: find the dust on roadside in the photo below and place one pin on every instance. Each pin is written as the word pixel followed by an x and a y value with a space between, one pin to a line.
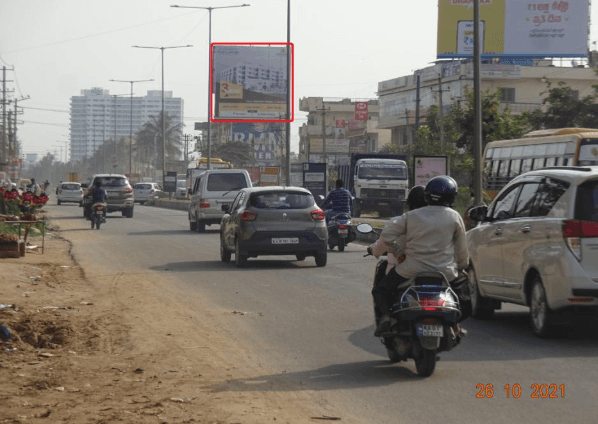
pixel 124 348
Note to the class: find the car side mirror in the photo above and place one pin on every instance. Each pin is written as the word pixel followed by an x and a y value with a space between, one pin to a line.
pixel 225 208
pixel 478 214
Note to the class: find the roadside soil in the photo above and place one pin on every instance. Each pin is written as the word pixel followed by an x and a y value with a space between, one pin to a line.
pixel 84 349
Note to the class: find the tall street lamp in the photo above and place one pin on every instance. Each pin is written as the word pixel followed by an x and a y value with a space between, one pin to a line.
pixel 209 9
pixel 163 129
pixel 131 130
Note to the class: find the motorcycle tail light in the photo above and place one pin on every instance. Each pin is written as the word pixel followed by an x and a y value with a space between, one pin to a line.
pixel 431 304
pixel 318 215
pixel 342 227
pixel 248 216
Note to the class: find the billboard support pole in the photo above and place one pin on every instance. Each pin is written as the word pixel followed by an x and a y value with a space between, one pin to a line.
pixel 477 122
pixel 288 123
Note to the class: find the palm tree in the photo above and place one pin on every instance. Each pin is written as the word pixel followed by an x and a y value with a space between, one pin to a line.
pixel 149 140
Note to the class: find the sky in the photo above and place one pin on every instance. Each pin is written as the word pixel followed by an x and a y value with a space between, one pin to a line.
pixel 343 48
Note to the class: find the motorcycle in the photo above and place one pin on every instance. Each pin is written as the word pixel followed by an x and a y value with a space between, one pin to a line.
pixel 340 231
pixel 424 313
pixel 97 215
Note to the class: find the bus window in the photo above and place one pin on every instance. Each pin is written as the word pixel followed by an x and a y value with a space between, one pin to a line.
pixel 552 150
pixel 496 153
pixel 515 167
pixel 517 152
pixel 489 153
pixel 540 150
pixel 550 161
pixel 538 163
pixel 505 153
pixel 526 166
pixel 495 168
pixel 503 171
pixel 561 161
pixel 528 151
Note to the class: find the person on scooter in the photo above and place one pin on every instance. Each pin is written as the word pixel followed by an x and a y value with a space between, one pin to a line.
pixel 340 200
pixel 98 195
pixel 434 241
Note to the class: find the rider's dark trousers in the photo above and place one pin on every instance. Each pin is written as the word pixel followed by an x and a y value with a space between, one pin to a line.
pixel 384 290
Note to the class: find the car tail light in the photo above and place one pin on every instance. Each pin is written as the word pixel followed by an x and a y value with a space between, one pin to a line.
pixel 248 216
pixel 574 231
pixel 203 205
pixel 80 191
pixel 128 190
pixel 431 304
pixel 318 215
pixel 59 191
pixel 152 191
pixel 342 227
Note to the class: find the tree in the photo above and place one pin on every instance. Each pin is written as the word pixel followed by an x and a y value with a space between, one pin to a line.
pixel 149 140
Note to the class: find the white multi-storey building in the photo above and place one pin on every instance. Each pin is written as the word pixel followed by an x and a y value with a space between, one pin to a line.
pixel 97 116
pixel 256 77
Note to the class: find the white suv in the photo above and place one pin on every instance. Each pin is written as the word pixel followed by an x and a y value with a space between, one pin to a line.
pixel 537 245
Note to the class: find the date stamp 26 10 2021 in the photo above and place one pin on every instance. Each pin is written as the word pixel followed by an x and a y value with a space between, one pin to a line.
pixel 516 391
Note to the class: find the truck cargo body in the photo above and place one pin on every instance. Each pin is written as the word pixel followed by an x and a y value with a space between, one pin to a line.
pixel 378 182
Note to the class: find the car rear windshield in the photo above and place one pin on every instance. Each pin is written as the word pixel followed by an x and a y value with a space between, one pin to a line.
pixel 113 181
pixel 142 186
pixel 281 200
pixel 71 186
pixel 226 182
pixel 586 204
pixel 181 183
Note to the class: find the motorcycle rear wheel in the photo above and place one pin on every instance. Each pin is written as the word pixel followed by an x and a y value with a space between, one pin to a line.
pixel 341 245
pixel 425 363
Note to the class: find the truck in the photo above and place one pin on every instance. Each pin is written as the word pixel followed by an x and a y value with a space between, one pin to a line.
pixel 72 177
pixel 378 182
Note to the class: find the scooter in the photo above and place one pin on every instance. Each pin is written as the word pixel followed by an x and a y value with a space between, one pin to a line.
pixel 97 215
pixel 424 314
pixel 340 231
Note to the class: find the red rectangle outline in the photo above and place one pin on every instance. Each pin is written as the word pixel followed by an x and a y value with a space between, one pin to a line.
pixel 292 101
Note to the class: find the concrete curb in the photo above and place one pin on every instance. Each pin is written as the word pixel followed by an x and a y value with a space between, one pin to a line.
pixel 183 205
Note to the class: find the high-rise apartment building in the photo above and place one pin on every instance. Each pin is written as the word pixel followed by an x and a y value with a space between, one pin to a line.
pixel 97 116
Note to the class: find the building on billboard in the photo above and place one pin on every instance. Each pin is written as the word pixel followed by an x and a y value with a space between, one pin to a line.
pixel 350 126
pixel 30 158
pixel 521 87
pixel 250 82
pixel 96 116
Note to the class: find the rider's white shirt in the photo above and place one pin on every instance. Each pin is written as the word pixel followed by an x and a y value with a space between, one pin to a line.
pixel 434 241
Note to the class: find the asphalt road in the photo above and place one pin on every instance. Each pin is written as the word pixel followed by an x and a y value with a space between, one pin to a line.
pixel 312 329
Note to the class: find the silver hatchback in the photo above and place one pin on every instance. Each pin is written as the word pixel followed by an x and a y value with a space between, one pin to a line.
pixel 273 221
pixel 537 245
pixel 69 193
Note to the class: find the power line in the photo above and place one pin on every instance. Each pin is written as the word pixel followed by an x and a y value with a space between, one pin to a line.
pixel 48 110
pixel 46 123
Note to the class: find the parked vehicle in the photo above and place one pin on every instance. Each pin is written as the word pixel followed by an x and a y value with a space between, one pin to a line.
pixel 181 189
pixel 119 194
pixel 142 192
pixel 273 221
pixel 377 182
pixel 423 316
pixel 340 231
pixel 98 215
pixel 69 193
pixel 537 245
pixel 212 190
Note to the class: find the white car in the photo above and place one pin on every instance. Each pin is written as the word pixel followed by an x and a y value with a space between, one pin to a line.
pixel 537 245
pixel 146 191
pixel 181 189
pixel 69 193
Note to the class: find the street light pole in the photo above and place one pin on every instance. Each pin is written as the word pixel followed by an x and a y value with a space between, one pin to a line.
pixel 209 9
pixel 131 129
pixel 163 129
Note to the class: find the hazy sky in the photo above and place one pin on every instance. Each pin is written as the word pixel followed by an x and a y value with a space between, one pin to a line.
pixel 343 48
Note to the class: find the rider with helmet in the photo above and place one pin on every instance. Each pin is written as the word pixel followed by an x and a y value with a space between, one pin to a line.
pixel 434 240
pixel 98 195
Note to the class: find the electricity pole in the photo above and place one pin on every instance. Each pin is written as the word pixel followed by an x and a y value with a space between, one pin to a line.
pixel 440 107
pixel 324 153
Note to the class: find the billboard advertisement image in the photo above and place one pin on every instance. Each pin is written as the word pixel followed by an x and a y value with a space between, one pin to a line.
pixel 249 82
pixel 514 28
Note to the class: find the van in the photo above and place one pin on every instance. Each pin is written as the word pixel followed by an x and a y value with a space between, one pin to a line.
pixel 213 189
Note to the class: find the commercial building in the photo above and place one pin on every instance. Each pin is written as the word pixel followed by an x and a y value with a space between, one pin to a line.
pixel 346 131
pixel 444 85
pixel 97 117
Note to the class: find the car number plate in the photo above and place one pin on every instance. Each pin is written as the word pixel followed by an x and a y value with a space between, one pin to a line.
pixel 424 330
pixel 292 240
pixel 343 233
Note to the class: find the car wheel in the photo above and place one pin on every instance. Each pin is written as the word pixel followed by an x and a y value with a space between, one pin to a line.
pixel 539 310
pixel 59 203
pixel 240 259
pixel 201 227
pixel 321 258
pixel 141 203
pixel 130 213
pixel 300 256
pixel 193 226
pixel 224 253
pixel 481 308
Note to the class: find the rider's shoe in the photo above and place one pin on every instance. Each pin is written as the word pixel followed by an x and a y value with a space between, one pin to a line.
pixel 383 326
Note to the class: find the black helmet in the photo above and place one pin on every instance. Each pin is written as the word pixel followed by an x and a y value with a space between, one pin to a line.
pixel 441 191
pixel 415 198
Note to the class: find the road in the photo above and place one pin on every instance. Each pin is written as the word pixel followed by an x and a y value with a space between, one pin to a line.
pixel 312 329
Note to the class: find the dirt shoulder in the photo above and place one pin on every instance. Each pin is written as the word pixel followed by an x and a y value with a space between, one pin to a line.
pixel 123 349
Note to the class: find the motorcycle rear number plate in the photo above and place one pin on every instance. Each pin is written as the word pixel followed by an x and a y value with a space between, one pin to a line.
pixel 429 330
pixel 343 232
pixel 294 240
pixel 99 212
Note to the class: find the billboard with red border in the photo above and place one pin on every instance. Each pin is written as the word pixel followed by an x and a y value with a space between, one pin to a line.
pixel 249 82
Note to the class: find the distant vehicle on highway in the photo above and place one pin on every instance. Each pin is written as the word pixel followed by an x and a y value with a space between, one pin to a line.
pixel 119 193
pixel 146 191
pixel 273 221
pixel 69 193
pixel 537 245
